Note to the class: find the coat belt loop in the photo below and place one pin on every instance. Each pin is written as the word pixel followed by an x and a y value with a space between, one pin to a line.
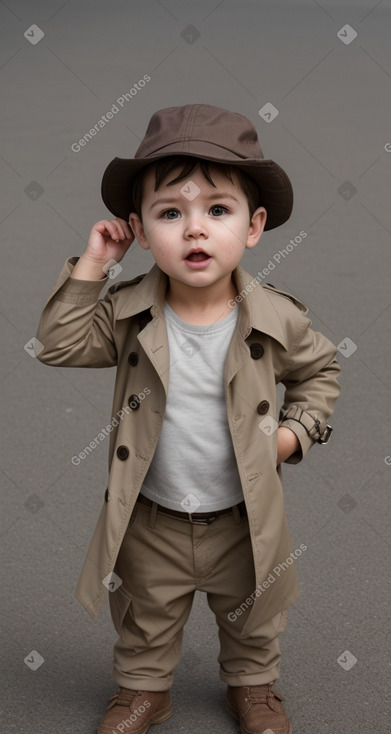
pixel 152 515
pixel 236 515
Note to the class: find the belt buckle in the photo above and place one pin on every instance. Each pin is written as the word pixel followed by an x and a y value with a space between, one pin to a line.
pixel 325 437
pixel 201 520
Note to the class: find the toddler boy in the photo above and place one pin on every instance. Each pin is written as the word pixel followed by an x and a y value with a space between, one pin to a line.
pixel 194 497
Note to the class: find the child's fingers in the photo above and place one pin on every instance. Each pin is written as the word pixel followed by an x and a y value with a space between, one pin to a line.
pixel 110 227
pixel 105 227
pixel 125 228
pixel 119 229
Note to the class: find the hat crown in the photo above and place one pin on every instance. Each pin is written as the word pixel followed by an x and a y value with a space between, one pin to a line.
pixel 189 128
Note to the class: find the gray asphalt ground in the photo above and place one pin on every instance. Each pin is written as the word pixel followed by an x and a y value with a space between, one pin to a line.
pixel 325 66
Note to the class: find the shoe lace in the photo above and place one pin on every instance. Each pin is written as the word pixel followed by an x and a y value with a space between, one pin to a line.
pixel 123 697
pixel 263 694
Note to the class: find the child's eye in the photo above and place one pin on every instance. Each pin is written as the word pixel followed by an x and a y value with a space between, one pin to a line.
pixel 169 211
pixel 216 209
pixel 220 209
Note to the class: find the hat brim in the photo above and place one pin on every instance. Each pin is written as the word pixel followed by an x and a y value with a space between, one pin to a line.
pixel 275 188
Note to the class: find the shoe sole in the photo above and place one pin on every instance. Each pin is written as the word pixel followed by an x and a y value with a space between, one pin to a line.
pixel 161 716
pixel 158 718
pixel 232 712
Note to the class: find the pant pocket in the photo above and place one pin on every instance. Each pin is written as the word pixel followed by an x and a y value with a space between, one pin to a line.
pixel 281 621
pixel 120 602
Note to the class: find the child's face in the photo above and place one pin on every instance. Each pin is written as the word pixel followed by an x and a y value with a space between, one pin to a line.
pixel 214 221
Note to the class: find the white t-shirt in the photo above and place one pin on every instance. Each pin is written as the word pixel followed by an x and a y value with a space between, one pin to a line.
pixel 194 467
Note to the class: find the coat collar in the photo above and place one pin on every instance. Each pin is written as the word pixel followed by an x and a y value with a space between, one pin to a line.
pixel 256 303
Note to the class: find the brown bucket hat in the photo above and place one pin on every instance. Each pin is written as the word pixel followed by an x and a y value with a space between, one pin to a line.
pixel 207 132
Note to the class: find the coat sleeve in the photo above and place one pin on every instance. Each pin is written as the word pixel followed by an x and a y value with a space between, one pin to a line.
pixel 76 327
pixel 311 386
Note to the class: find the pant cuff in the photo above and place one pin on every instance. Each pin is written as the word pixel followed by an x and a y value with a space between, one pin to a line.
pixel 158 685
pixel 252 679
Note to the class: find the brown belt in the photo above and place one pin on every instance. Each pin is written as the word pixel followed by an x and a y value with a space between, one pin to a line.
pixel 198 518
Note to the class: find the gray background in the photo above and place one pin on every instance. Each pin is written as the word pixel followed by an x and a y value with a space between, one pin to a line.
pixel 331 136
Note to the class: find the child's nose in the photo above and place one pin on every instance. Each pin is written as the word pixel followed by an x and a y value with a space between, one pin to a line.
pixel 195 226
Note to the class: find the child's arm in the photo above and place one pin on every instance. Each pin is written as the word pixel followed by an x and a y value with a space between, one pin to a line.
pixel 311 383
pixel 287 444
pixel 76 328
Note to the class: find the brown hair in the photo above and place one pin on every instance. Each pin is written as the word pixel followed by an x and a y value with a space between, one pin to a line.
pixel 165 166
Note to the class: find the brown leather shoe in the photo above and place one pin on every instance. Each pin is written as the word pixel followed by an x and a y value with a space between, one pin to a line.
pixel 132 712
pixel 258 709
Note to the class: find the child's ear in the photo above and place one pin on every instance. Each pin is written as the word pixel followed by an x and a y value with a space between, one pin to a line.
pixel 138 229
pixel 256 226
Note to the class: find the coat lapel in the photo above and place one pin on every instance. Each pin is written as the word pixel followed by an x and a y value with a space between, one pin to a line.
pixel 256 312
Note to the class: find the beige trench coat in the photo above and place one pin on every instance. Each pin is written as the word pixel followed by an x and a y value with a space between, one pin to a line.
pixel 273 342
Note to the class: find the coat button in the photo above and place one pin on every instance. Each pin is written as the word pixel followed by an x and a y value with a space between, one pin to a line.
pixel 134 402
pixel 122 452
pixel 256 350
pixel 263 407
pixel 107 495
pixel 133 358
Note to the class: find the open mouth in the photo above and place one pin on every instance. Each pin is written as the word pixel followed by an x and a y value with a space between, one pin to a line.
pixel 197 256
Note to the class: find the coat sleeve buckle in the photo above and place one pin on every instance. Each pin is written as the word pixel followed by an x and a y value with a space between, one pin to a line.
pixel 311 424
pixel 325 437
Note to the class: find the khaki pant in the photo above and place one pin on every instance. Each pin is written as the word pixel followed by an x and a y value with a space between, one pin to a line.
pixel 162 562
